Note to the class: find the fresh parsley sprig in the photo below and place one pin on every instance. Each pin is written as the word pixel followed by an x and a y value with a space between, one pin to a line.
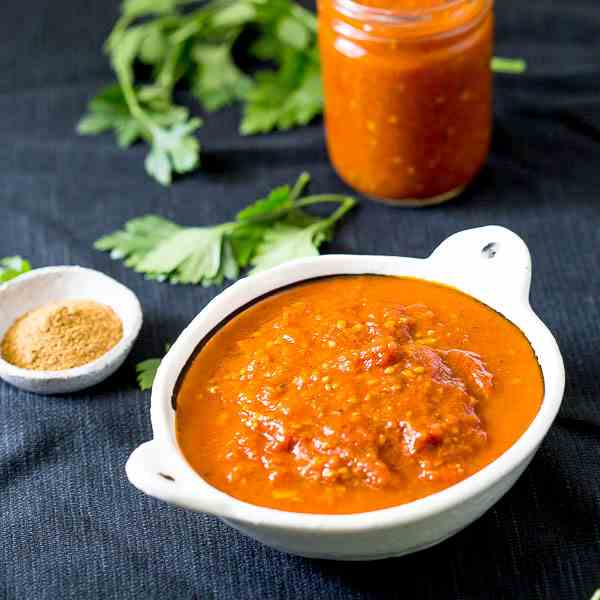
pixel 146 372
pixel 269 232
pixel 13 266
pixel 194 46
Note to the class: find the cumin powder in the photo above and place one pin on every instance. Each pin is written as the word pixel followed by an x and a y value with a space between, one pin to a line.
pixel 62 335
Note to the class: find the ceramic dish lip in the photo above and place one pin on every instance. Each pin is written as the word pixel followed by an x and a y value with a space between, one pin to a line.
pixel 514 306
pixel 94 366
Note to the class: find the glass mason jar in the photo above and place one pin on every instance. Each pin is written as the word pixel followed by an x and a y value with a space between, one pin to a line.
pixel 408 95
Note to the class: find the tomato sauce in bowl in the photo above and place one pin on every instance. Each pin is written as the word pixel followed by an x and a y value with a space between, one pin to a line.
pixel 350 394
pixel 408 94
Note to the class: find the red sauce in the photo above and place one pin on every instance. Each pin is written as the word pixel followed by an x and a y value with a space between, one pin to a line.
pixel 407 102
pixel 352 394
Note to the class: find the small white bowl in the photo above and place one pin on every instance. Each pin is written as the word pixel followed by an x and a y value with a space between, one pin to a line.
pixel 54 284
pixel 491 264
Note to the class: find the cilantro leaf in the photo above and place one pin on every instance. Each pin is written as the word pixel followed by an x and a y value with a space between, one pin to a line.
pixel 154 46
pixel 163 250
pixel 268 232
pixel 244 241
pixel 294 33
pixel 286 98
pixel 218 82
pixel 146 112
pixel 173 149
pixel 196 46
pixel 190 256
pixel 147 369
pixel 299 235
pixel 281 200
pixel 235 14
pixel 13 266
pixel 139 237
pixel 289 96
pixel 228 268
pixel 285 242
pixel 146 372
pixel 108 110
pixel 124 48
pixel 277 199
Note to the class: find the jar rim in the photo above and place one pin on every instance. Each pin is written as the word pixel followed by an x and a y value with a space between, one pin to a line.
pixel 355 9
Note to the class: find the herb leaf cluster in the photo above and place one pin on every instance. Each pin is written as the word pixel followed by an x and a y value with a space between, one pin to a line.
pixel 267 233
pixel 180 44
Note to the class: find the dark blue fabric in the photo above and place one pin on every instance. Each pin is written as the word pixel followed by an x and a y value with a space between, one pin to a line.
pixel 71 526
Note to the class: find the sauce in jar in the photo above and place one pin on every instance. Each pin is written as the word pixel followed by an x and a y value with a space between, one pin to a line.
pixel 408 94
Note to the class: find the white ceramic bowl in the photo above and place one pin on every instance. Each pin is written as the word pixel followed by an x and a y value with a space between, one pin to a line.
pixel 491 264
pixel 53 284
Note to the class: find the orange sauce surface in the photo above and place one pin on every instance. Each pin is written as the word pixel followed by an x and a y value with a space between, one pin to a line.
pixel 350 394
pixel 408 105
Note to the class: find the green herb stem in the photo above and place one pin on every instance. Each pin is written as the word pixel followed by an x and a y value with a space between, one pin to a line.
pixel 510 66
pixel 345 202
pixel 299 186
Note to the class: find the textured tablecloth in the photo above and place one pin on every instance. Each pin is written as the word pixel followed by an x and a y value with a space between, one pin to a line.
pixel 71 526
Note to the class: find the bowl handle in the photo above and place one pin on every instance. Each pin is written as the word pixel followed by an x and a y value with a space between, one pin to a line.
pixel 491 260
pixel 147 470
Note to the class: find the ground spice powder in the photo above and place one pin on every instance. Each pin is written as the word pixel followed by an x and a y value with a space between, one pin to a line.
pixel 62 335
